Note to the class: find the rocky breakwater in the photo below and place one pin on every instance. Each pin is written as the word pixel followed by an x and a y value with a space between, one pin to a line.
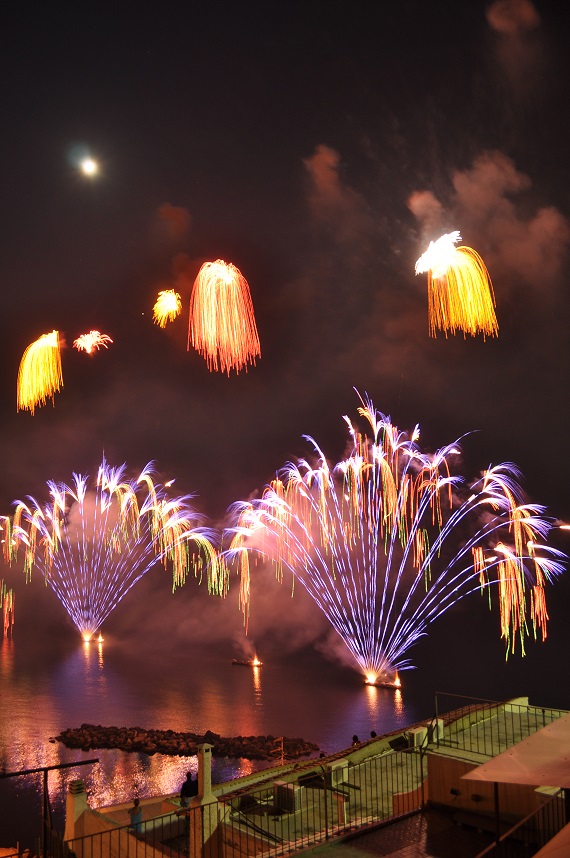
pixel 90 737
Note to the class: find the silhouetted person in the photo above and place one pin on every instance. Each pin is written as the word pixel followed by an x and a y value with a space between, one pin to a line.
pixel 373 734
pixel 355 740
pixel 189 788
pixel 135 812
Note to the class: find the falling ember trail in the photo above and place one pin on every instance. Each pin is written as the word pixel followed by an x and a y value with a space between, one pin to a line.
pixel 93 545
pixel 7 602
pixel 167 307
pixel 389 539
pixel 460 292
pixel 222 322
pixel 39 375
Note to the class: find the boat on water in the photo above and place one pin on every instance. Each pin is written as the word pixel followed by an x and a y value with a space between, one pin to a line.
pixel 384 680
pixel 388 683
pixel 247 662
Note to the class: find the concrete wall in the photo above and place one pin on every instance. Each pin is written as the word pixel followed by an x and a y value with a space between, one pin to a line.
pixel 445 774
pixel 404 802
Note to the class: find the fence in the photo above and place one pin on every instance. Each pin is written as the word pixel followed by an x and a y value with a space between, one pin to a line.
pixel 486 727
pixel 330 798
pixel 531 833
pixel 280 818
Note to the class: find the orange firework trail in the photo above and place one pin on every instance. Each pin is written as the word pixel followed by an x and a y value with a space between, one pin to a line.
pixel 460 292
pixel 39 375
pixel 92 342
pixel 389 539
pixel 222 322
pixel 7 600
pixel 167 307
pixel 93 544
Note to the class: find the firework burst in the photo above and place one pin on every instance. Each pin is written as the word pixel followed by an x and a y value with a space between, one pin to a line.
pixel 222 322
pixel 92 342
pixel 93 545
pixel 167 307
pixel 389 539
pixel 39 375
pixel 460 292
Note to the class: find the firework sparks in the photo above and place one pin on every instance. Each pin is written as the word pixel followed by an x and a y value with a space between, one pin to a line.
pixel 39 375
pixel 460 292
pixel 7 600
pixel 93 545
pixel 92 342
pixel 167 307
pixel 389 539
pixel 222 322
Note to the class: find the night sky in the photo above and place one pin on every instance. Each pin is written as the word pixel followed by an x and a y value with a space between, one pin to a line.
pixel 319 147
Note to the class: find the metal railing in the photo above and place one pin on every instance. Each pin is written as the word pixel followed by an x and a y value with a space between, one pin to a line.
pixel 531 833
pixel 321 803
pixel 162 835
pixel 326 798
pixel 487 728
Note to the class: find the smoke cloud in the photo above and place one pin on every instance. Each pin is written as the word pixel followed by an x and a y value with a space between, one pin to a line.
pixel 332 201
pixel 175 220
pixel 489 207
pixel 511 17
pixel 429 212
pixel 281 621
pixel 519 50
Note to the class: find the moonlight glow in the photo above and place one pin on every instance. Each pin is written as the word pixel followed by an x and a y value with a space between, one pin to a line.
pixel 89 167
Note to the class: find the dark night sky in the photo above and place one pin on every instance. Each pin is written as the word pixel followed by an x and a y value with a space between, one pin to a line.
pixel 319 147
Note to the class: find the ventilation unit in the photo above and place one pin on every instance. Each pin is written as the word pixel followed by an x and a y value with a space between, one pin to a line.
pixel 287 796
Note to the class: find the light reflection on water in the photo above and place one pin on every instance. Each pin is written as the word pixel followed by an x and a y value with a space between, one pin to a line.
pixel 256 671
pixel 43 692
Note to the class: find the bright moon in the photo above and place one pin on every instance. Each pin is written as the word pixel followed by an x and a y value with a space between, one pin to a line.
pixel 89 167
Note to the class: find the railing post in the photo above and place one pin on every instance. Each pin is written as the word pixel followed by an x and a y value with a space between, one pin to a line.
pixel 497 814
pixel 76 804
pixel 203 811
pixel 326 798
pixel 436 719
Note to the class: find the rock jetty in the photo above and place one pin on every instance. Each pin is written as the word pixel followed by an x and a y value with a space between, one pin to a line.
pixel 90 737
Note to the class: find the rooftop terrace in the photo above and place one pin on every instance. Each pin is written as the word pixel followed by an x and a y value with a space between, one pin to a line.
pixel 404 794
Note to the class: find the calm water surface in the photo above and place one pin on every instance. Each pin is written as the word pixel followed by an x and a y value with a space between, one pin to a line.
pixel 49 682
pixel 44 690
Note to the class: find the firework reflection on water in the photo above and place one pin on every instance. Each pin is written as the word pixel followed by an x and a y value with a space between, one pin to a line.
pixel 42 694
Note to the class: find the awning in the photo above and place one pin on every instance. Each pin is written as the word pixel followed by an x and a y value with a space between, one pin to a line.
pixel 542 759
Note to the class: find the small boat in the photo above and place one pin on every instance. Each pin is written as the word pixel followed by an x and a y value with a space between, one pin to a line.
pixel 380 683
pixel 247 662
pixel 384 681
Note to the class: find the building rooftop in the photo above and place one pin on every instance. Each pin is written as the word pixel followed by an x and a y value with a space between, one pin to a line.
pixel 405 795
